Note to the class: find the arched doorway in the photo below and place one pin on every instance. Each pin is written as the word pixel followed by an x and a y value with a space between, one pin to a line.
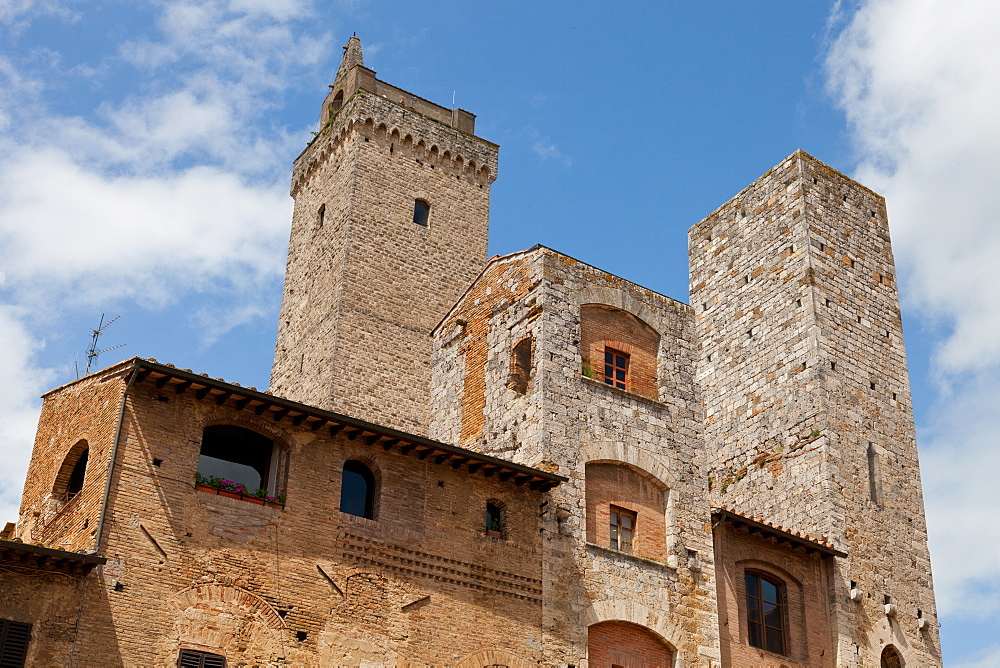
pixel 626 645
pixel 891 658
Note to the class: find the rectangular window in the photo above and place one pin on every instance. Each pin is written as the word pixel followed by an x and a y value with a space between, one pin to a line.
pixel 622 527
pixel 191 658
pixel 615 368
pixel 14 637
pixel 765 613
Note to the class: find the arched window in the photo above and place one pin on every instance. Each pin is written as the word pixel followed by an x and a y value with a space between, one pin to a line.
pixel 891 658
pixel 626 510
pixel 765 597
pixel 421 212
pixel 338 103
pixel 72 472
pixel 321 215
pixel 238 455
pixel 357 490
pixel 78 474
pixel 619 349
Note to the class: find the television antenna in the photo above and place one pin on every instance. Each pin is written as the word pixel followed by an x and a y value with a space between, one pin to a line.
pixel 93 352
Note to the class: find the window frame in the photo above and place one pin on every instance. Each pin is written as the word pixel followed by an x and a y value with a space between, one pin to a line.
pixel 12 632
pixel 615 356
pixel 421 212
pixel 200 656
pixel 366 472
pixel 616 527
pixel 781 593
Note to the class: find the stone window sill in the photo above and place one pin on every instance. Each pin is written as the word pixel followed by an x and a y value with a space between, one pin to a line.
pixel 593 382
pixel 617 554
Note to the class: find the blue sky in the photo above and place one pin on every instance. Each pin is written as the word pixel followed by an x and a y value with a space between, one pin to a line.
pixel 145 151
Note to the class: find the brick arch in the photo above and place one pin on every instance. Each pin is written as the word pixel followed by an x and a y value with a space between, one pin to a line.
pixel 488 658
pixel 217 592
pixel 767 567
pixel 369 460
pixel 628 645
pixel 618 610
pixel 61 483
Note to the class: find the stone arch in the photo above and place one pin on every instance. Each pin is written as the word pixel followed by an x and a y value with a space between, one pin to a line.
pixel 484 174
pixel 891 657
pixel 622 300
pixel 632 504
pixel 620 349
pixel 632 612
pixel 626 453
pixel 492 658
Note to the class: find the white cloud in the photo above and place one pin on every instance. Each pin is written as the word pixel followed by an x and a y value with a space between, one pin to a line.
pixel 919 82
pixel 175 187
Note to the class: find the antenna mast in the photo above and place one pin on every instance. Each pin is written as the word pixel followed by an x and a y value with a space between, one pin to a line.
pixel 93 352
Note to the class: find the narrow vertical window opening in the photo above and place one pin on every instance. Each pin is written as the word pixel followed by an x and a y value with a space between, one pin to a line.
pixel 357 490
pixel 622 527
pixel 520 365
pixel 495 524
pixel 321 215
pixel 765 613
pixel 421 212
pixel 873 474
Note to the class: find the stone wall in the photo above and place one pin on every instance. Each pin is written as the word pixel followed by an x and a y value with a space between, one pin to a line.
pixel 565 420
pixel 802 367
pixel 364 284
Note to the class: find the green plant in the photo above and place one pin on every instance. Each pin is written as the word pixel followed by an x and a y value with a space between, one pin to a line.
pixel 587 370
pixel 497 525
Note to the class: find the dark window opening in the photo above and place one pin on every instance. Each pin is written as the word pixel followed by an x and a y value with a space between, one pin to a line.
pixel 338 103
pixel 14 638
pixel 77 476
pixel 615 368
pixel 421 212
pixel 321 215
pixel 495 524
pixel 520 372
pixel 238 455
pixel 357 490
pixel 190 658
pixel 622 526
pixel 891 658
pixel 765 613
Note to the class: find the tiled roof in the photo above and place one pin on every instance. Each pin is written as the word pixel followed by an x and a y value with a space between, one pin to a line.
pixel 757 524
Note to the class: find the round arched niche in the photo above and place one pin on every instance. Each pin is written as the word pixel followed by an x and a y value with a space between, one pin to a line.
pixel 618 643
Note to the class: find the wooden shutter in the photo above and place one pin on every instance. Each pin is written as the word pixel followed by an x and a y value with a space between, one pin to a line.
pixel 14 637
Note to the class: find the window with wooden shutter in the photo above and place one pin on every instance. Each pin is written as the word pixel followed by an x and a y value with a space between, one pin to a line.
pixel 191 658
pixel 14 637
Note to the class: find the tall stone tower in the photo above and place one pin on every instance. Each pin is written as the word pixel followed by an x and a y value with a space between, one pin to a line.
pixel 389 228
pixel 808 419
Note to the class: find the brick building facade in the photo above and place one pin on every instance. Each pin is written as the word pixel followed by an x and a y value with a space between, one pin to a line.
pixel 538 462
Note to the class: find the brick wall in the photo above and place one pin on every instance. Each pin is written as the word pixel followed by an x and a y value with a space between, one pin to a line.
pixel 617 485
pixel 603 327
pixel 809 631
pixel 626 645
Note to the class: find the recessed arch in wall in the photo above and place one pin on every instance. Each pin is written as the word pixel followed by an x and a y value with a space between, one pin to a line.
pixel 72 472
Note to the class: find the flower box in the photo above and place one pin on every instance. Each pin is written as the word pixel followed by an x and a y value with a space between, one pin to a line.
pixel 493 533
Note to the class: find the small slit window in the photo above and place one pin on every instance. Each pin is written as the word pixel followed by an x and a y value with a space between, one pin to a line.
pixel 520 365
pixel 421 212
pixel 190 658
pixel 321 215
pixel 357 490
pixel 14 638
pixel 765 613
